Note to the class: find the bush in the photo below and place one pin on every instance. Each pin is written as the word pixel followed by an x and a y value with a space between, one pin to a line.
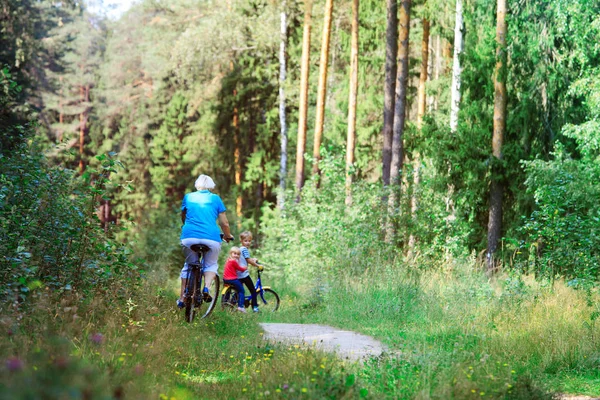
pixel 49 232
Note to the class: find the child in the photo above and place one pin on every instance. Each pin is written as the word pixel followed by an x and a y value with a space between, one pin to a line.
pixel 230 272
pixel 244 277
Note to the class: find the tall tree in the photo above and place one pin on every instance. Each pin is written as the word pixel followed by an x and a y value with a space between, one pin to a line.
pixel 351 140
pixel 282 120
pixel 303 107
pixel 421 103
pixel 456 68
pixel 399 112
pixel 500 99
pixel 322 88
pixel 391 68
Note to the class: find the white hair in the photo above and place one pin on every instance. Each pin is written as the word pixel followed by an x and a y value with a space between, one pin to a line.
pixel 204 182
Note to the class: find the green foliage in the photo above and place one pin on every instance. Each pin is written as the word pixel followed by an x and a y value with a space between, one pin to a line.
pixel 563 232
pixel 49 230
pixel 320 238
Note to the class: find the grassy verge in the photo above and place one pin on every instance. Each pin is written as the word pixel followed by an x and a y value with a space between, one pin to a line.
pixel 451 335
pixel 69 348
pixel 458 335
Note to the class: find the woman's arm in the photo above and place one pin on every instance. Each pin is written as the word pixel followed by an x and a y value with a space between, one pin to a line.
pixel 183 214
pixel 224 224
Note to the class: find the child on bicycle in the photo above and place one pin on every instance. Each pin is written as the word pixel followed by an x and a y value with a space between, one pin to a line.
pixel 232 268
pixel 245 260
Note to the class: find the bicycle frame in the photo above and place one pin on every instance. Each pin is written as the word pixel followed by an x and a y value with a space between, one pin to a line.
pixel 258 287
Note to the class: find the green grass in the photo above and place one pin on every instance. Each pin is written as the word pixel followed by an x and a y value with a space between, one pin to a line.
pixel 450 335
pixel 463 336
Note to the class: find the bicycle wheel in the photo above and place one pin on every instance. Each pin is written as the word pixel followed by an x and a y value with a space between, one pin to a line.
pixel 268 299
pixel 229 299
pixel 204 307
pixel 190 296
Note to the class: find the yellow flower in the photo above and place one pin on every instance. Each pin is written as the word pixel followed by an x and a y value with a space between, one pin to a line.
pixel 304 390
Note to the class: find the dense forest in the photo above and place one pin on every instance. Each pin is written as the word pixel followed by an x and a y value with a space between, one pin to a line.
pixel 430 149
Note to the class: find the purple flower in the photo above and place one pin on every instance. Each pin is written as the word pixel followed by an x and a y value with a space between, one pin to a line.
pixel 97 338
pixel 285 387
pixel 14 364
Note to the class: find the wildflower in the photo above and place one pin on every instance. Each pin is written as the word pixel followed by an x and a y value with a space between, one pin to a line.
pixel 481 393
pixel 14 364
pixel 97 338
pixel 304 390
pixel 278 390
pixel 138 369
pixel 285 387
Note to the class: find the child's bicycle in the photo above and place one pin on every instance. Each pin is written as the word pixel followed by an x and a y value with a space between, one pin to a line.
pixel 194 300
pixel 265 296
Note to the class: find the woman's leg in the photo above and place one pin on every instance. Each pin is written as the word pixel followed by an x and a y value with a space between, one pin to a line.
pixel 190 257
pixel 240 289
pixel 250 285
pixel 211 267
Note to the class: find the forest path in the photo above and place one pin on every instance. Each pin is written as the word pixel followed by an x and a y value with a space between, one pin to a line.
pixel 346 344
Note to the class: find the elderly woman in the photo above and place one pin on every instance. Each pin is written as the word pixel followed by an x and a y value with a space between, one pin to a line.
pixel 200 211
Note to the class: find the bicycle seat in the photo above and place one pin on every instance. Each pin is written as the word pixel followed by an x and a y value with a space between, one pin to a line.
pixel 200 248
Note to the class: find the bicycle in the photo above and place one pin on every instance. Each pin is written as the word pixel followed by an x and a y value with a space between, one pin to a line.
pixel 193 297
pixel 265 296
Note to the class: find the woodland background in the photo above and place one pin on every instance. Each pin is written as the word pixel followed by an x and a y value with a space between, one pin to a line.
pixel 452 140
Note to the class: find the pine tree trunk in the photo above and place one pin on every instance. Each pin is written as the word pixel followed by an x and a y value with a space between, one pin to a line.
pixel 84 91
pixel 322 89
pixel 497 186
pixel 351 141
pixel 237 158
pixel 391 68
pixel 421 103
pixel 399 116
pixel 282 120
pixel 303 107
pixel 456 68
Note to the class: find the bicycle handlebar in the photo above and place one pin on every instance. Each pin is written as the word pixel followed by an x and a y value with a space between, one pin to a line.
pixel 227 239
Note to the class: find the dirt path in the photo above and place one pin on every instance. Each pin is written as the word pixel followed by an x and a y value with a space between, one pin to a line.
pixel 346 344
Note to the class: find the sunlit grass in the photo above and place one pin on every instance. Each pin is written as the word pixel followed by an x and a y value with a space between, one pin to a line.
pixel 466 335
pixel 452 334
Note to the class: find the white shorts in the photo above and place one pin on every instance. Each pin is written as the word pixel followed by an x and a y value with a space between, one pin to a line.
pixel 211 257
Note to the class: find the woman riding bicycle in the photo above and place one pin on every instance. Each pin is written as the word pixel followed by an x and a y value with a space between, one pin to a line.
pixel 200 211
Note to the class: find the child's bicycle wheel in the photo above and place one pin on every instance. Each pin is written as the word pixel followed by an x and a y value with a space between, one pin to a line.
pixel 268 300
pixel 229 299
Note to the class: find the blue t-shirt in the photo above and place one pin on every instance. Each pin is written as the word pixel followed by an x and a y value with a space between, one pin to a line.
pixel 202 209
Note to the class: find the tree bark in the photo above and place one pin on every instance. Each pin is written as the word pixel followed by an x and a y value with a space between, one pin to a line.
pixel 497 186
pixel 421 105
pixel 237 157
pixel 399 115
pixel 351 141
pixel 84 91
pixel 456 68
pixel 282 120
pixel 303 108
pixel 322 89
pixel 391 68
